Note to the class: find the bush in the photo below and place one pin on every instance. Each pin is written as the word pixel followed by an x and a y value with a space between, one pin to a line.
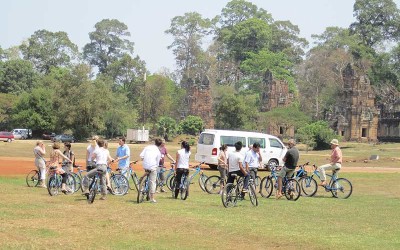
pixel 316 135
pixel 192 125
pixel 166 127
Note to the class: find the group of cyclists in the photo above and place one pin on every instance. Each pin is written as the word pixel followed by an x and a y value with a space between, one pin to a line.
pixel 153 157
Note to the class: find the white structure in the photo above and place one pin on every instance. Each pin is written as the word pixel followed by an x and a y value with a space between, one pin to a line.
pixel 137 135
pixel 272 149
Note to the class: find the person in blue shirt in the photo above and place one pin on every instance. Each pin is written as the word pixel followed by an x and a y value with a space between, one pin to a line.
pixel 123 156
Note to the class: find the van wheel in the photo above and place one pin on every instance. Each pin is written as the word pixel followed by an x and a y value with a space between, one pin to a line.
pixel 272 163
pixel 213 167
pixel 8 140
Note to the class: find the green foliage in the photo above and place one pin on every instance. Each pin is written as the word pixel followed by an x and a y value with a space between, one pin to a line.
pixel 17 76
pixel 35 111
pixel 108 43
pixel 166 127
pixel 6 107
pixel 376 21
pixel 316 135
pixel 191 125
pixel 47 49
pixel 230 112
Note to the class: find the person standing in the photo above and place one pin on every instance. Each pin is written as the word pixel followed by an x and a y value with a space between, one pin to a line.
pixel 89 153
pixel 222 165
pixel 55 157
pixel 182 165
pixel 291 158
pixel 151 157
pixel 39 152
pixel 161 167
pixel 123 156
pixel 101 156
pixel 235 166
pixel 70 154
pixel 335 164
pixel 252 160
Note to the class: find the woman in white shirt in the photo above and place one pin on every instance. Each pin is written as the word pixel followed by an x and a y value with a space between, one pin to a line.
pixel 182 164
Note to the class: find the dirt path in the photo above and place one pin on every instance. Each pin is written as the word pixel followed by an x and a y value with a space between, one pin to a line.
pixel 21 166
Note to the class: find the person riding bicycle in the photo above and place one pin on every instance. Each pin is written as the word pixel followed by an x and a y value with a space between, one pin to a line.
pixel 291 158
pixel 235 166
pixel 89 153
pixel 222 165
pixel 252 160
pixel 101 156
pixel 40 162
pixel 55 156
pixel 151 156
pixel 182 165
pixel 161 167
pixel 335 164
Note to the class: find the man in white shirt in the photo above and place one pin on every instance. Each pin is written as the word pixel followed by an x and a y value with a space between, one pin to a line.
pixel 252 160
pixel 235 166
pixel 151 156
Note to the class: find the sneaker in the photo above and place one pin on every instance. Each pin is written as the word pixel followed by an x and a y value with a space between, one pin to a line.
pixel 153 201
pixel 245 190
pixel 103 197
pixel 157 192
pixel 162 190
pixel 278 196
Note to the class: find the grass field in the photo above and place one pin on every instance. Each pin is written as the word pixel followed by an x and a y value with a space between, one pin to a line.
pixel 369 219
pixel 31 219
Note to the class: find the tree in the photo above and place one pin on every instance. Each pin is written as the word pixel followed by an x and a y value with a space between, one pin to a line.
pixel 47 49
pixel 188 31
pixel 35 111
pixel 166 127
pixel 376 21
pixel 191 125
pixel 316 135
pixel 230 112
pixel 6 106
pixel 17 76
pixel 108 43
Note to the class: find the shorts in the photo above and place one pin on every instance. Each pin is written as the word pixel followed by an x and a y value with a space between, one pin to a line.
pixel 286 172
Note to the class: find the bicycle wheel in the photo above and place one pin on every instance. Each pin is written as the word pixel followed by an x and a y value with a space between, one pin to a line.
pixel 92 191
pixel 341 188
pixel 71 184
pixel 292 190
pixel 184 189
pixel 119 184
pixel 32 179
pixel 172 182
pixel 52 186
pixel 213 184
pixel 266 187
pixel 229 195
pixel 253 195
pixel 308 186
pixel 78 181
pixel 257 183
pixel 202 182
pixel 167 181
pixel 142 192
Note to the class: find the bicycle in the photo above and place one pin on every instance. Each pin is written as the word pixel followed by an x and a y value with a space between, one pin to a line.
pixel 166 181
pixel 187 180
pixel 94 186
pixel 290 186
pixel 78 177
pixel 33 177
pixel 118 182
pixel 339 187
pixel 144 189
pixel 129 172
pixel 232 193
pixel 55 182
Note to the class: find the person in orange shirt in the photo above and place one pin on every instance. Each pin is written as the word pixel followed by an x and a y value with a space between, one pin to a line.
pixel 335 164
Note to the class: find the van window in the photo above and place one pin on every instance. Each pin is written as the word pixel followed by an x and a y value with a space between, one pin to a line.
pixel 275 143
pixel 231 140
pixel 253 140
pixel 206 139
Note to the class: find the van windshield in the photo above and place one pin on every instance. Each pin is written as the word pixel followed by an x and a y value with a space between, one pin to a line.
pixel 231 140
pixel 206 139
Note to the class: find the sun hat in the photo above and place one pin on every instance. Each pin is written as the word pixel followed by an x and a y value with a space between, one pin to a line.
pixel 335 142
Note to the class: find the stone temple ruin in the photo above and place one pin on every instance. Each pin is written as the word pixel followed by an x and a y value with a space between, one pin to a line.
pixel 199 101
pixel 274 94
pixel 389 120
pixel 356 116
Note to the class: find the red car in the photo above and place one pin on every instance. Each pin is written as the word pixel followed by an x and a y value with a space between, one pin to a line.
pixel 6 136
pixel 48 136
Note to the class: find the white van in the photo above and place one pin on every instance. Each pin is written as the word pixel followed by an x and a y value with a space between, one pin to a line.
pixel 272 149
pixel 22 133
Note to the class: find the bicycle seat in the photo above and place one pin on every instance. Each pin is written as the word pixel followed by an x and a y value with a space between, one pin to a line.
pixel 234 175
pixel 53 168
pixel 99 171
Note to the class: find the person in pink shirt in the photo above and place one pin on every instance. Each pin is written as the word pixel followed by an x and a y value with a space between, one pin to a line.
pixel 335 164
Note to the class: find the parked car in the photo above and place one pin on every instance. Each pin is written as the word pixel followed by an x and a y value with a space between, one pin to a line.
pixel 6 136
pixel 25 133
pixel 18 136
pixel 63 138
pixel 48 135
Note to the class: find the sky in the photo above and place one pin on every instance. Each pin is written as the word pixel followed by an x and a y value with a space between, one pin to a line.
pixel 148 19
